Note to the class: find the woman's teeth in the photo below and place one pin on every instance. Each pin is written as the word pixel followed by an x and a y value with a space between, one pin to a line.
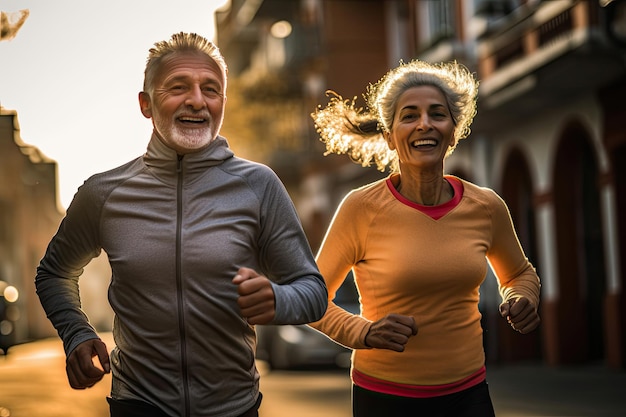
pixel 424 142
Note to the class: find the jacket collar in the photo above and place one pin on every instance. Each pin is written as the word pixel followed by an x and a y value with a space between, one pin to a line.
pixel 164 161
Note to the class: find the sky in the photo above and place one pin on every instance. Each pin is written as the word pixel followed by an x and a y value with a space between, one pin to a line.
pixel 73 73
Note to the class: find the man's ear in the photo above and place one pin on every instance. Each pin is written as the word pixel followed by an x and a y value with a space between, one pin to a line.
pixel 144 104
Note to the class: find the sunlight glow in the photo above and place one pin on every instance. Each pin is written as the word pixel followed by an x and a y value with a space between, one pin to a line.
pixel 281 29
pixel 73 78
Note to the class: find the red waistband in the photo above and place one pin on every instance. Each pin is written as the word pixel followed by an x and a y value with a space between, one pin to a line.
pixel 417 391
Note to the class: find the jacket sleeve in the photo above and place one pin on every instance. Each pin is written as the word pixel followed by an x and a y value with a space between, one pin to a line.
pixel 286 258
pixel 516 275
pixel 56 282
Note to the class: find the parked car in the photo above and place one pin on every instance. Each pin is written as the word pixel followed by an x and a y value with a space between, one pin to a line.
pixel 300 346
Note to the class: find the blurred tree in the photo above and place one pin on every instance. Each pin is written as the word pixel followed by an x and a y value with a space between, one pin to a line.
pixel 262 117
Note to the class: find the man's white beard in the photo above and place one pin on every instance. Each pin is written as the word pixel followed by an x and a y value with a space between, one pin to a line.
pixel 190 138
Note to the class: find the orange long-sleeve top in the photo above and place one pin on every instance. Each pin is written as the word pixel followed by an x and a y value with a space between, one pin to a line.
pixel 406 262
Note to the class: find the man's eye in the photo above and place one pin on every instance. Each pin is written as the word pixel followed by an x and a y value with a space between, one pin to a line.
pixel 211 92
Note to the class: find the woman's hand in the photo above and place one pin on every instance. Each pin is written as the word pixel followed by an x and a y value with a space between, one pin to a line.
pixel 391 332
pixel 521 314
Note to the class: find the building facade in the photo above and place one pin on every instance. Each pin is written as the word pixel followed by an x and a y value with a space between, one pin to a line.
pixel 547 137
pixel 29 216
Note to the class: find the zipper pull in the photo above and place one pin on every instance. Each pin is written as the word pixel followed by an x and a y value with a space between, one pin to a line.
pixel 179 167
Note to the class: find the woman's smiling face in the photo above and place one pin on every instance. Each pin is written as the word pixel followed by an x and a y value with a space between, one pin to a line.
pixel 423 128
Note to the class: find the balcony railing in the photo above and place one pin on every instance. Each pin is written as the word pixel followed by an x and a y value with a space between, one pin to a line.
pixel 527 31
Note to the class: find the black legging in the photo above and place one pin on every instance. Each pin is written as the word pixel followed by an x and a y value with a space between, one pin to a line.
pixel 131 408
pixel 472 402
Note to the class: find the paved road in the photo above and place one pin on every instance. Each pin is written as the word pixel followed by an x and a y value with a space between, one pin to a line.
pixel 539 391
pixel 517 391
pixel 33 384
pixel 306 394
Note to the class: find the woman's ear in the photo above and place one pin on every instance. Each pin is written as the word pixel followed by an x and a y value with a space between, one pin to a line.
pixel 453 142
pixel 387 136
pixel 145 104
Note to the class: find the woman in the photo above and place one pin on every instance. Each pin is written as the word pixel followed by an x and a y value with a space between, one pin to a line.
pixel 418 243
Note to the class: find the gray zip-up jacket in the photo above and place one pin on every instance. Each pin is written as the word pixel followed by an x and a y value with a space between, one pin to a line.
pixel 176 230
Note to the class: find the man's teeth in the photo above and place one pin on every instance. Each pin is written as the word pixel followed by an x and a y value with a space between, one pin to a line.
pixel 424 142
pixel 192 119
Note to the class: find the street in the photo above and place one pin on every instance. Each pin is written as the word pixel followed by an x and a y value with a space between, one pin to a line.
pixel 306 394
pixel 33 384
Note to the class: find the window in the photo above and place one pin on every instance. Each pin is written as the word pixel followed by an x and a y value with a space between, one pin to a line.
pixel 435 20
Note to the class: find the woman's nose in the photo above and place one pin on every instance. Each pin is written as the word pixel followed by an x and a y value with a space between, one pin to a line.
pixel 423 123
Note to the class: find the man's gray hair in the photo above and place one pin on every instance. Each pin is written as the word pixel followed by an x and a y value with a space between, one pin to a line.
pixel 181 42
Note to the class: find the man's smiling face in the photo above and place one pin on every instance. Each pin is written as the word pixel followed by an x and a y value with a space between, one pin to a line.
pixel 187 101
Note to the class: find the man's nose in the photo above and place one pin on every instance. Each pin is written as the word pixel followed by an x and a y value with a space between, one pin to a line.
pixel 195 99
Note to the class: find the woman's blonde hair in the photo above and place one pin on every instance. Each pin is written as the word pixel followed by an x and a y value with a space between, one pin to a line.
pixel 358 132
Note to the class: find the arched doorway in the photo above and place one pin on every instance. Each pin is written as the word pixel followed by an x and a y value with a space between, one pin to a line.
pixel 517 192
pixel 618 161
pixel 614 140
pixel 580 252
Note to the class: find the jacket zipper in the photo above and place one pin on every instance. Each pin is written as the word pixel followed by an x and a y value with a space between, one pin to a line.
pixel 179 283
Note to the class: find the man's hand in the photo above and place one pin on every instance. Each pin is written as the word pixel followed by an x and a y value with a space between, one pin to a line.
pixel 521 314
pixel 256 296
pixel 391 332
pixel 81 371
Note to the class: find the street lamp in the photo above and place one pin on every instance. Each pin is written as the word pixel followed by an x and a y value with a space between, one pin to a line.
pixel 9 314
pixel 281 29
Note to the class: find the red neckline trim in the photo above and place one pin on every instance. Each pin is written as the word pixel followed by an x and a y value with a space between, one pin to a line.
pixel 436 212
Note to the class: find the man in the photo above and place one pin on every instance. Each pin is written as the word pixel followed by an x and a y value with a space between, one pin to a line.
pixel 186 227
